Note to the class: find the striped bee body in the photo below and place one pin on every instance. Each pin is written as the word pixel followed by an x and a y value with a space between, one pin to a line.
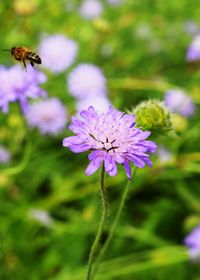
pixel 33 57
pixel 22 54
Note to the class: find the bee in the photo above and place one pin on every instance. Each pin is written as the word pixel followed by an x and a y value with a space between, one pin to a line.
pixel 24 54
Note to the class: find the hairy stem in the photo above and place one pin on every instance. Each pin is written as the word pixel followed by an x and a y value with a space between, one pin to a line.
pixel 95 246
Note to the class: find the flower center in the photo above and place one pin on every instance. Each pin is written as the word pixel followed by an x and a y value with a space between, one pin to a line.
pixel 107 145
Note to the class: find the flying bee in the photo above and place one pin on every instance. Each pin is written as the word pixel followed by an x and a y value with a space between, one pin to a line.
pixel 24 54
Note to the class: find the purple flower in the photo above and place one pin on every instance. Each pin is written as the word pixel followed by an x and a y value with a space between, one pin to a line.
pixel 112 138
pixel 48 115
pixel 86 81
pixel 19 85
pixel 91 9
pixel 4 155
pixel 193 52
pixel 57 52
pixel 192 241
pixel 100 104
pixel 179 102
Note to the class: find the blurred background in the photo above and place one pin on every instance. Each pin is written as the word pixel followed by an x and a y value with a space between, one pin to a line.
pixel 100 53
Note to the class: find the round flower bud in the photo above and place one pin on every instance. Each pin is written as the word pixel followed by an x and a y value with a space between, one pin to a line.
pixel 152 115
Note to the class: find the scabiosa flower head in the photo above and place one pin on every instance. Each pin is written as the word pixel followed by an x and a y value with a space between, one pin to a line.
pixel 48 115
pixel 100 104
pixel 86 81
pixel 91 9
pixel 4 155
pixel 192 241
pixel 193 52
pixel 179 102
pixel 19 85
pixel 152 115
pixel 57 52
pixel 112 138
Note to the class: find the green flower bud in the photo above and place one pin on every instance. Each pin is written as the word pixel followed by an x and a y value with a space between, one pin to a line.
pixel 152 115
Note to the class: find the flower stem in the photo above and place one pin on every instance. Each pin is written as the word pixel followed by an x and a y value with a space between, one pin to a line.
pixel 95 246
pixel 114 225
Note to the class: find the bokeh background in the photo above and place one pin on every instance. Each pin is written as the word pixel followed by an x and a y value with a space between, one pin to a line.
pixel 49 208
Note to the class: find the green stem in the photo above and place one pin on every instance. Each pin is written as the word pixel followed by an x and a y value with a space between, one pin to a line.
pixel 22 165
pixel 95 246
pixel 114 225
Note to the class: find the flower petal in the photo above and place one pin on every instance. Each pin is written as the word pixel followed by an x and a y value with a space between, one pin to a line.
pixel 94 165
pixel 127 169
pixel 137 161
pixel 79 148
pixel 71 140
pixel 110 165
pixel 113 171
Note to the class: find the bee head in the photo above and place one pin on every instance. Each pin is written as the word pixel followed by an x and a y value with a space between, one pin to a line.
pixel 13 50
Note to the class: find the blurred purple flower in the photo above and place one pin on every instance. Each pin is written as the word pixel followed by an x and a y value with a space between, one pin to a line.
pixel 112 138
pixel 57 52
pixel 193 52
pixel 4 155
pixel 101 104
pixel 192 241
pixel 19 85
pixel 179 102
pixel 91 9
pixel 86 81
pixel 48 115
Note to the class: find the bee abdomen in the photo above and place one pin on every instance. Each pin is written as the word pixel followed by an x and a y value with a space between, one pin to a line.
pixel 34 57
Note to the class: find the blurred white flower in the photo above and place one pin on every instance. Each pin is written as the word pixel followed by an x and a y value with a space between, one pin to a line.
pixel 91 9
pixel 57 52
pixel 40 216
pixel 86 81
pixel 191 27
pixel 164 155
pixel 100 104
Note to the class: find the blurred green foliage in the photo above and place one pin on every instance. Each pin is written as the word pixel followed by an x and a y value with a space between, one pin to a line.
pixel 148 44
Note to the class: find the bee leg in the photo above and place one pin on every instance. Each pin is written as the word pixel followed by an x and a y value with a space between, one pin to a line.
pixel 24 64
pixel 32 64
